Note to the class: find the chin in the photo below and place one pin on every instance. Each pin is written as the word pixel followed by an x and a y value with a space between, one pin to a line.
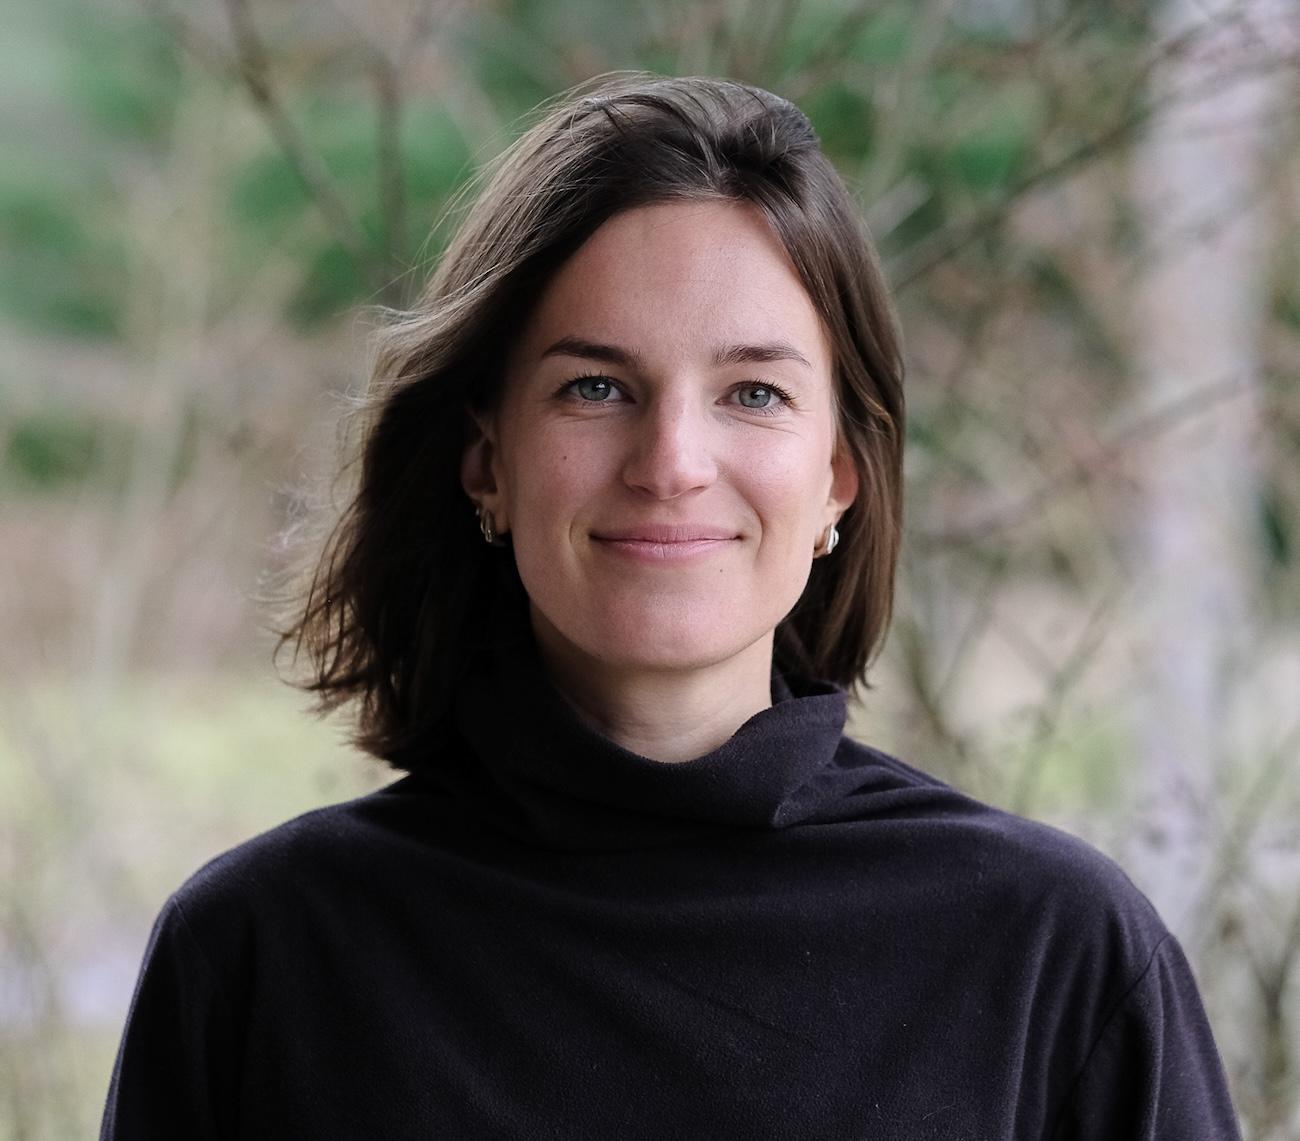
pixel 625 626
pixel 660 639
pixel 657 654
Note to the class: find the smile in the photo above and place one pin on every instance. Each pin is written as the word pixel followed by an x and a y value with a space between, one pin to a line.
pixel 666 544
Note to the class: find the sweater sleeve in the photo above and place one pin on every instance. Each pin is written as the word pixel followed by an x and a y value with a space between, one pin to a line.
pixel 176 1068
pixel 1154 1072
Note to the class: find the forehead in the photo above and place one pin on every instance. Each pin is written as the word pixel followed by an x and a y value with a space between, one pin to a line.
pixel 678 275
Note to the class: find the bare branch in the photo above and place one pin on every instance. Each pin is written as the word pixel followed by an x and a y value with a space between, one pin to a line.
pixel 1048 716
pixel 918 668
pixel 1005 518
pixel 998 570
pixel 947 242
pixel 255 73
pixel 388 132
pixel 250 67
pixel 909 268
pixel 1231 860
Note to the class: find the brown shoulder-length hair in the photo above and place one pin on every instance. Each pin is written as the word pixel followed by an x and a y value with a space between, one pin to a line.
pixel 405 583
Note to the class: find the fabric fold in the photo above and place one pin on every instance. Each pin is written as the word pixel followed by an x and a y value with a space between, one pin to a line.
pixel 544 774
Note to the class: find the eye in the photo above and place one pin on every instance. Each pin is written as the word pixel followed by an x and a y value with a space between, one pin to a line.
pixel 762 397
pixel 756 396
pixel 595 388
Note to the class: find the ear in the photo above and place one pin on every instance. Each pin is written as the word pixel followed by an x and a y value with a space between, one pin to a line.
pixel 478 468
pixel 844 483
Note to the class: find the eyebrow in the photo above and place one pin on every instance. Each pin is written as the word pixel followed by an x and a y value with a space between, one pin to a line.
pixel 626 358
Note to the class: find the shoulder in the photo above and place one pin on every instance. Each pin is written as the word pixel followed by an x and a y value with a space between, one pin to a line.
pixel 1023 871
pixel 286 865
pixel 1078 893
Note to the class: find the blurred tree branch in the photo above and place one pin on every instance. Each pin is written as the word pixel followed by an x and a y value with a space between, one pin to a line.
pixel 907 269
pixel 254 70
pixel 1049 716
pixel 250 66
pixel 1009 516
pixel 388 128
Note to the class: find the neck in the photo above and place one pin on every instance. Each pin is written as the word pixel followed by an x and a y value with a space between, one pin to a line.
pixel 664 715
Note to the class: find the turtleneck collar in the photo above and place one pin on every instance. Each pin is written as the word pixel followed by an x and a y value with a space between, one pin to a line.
pixel 535 769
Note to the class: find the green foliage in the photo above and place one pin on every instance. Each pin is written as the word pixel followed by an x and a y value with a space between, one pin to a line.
pixel 1276 525
pixel 437 155
pixel 266 193
pixel 806 39
pixel 60 269
pixel 339 124
pixel 60 258
pixel 990 136
pixel 123 70
pixel 1286 307
pixel 267 197
pixel 985 160
pixel 51 449
pixel 332 283
pixel 123 75
pixel 843 118
pixel 885 37
pixel 58 448
pixel 501 57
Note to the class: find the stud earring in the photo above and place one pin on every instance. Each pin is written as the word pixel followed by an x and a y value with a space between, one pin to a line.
pixel 829 543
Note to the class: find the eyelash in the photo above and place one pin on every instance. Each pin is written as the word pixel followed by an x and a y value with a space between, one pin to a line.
pixel 569 387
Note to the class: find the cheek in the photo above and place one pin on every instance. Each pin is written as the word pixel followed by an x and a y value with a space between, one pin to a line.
pixel 548 481
pixel 788 492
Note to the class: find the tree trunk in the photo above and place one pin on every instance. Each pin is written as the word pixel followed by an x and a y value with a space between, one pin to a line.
pixel 1199 309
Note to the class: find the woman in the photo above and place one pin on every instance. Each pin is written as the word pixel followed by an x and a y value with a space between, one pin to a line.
pixel 636 881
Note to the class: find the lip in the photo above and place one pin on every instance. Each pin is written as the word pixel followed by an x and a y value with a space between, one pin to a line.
pixel 665 533
pixel 665 543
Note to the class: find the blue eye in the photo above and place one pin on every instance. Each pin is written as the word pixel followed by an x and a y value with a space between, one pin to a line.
pixel 766 399
pixel 756 395
pixel 596 388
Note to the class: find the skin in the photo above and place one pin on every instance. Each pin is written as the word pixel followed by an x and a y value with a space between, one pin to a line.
pixel 665 512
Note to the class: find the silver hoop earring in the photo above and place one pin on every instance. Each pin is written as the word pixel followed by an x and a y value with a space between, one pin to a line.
pixel 829 543
pixel 488 526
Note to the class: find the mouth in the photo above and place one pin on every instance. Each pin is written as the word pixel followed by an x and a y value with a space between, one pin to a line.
pixel 661 544
pixel 666 533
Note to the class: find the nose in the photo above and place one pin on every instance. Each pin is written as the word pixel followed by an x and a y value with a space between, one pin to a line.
pixel 671 451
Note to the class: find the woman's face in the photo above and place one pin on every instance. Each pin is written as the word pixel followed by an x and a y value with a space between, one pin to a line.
pixel 663 454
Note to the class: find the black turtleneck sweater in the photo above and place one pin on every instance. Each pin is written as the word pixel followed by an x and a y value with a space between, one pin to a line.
pixel 545 936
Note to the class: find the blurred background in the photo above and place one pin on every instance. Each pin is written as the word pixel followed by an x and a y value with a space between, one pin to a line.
pixel 1090 213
